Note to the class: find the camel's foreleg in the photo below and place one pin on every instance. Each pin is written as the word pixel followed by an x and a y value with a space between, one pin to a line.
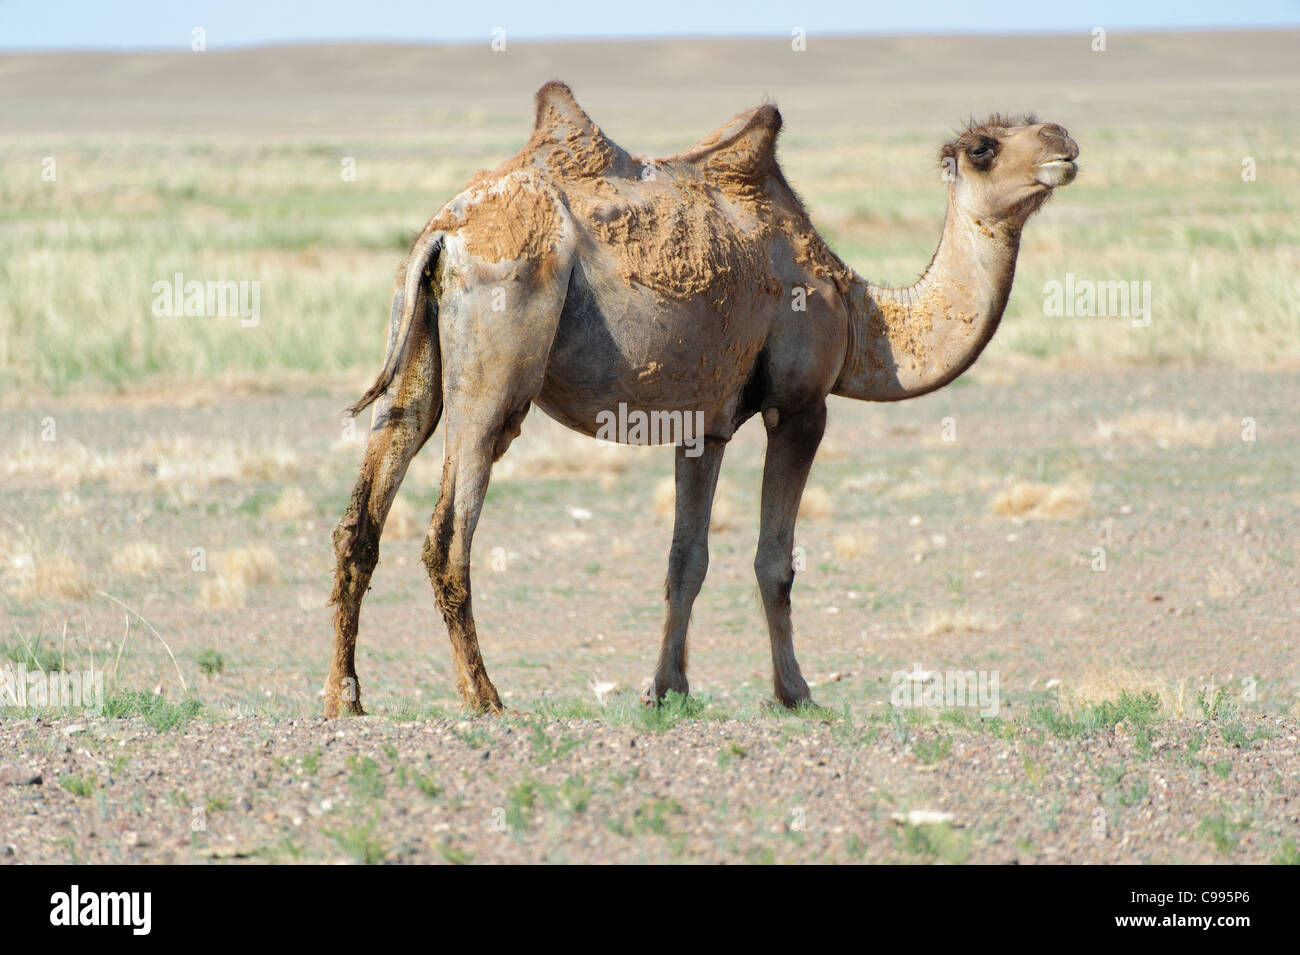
pixel 688 561
pixel 792 440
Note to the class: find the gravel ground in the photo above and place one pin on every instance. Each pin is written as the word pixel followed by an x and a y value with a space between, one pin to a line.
pixel 770 789
pixel 211 750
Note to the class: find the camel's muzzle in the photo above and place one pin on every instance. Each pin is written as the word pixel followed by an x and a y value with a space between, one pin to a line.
pixel 1056 172
pixel 1059 169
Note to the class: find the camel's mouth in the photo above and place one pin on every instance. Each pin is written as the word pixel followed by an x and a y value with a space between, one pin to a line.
pixel 1056 172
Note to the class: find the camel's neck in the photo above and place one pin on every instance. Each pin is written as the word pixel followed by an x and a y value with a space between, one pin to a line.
pixel 907 342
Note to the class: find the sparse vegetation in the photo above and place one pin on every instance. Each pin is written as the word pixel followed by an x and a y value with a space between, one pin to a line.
pixel 361 841
pixel 210 661
pixel 79 784
pixel 158 712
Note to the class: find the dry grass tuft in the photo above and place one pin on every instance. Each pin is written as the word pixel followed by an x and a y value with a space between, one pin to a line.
pixel 138 559
pixel 959 621
pixel 52 578
pixel 1108 684
pixel 219 593
pixel 665 498
pixel 253 565
pixel 402 523
pixel 1163 429
pixel 855 546
pixel 1026 499
pixel 816 504
pixel 237 571
pixel 292 505
pixel 162 461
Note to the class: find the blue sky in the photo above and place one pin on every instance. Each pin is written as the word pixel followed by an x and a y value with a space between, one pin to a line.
pixel 163 24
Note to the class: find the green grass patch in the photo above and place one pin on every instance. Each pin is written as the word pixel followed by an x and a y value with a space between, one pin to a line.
pixel 210 662
pixel 79 784
pixel 158 712
pixel 360 841
pixel 939 843
pixel 1139 710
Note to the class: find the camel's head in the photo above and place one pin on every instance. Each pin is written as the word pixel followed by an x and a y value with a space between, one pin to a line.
pixel 1005 168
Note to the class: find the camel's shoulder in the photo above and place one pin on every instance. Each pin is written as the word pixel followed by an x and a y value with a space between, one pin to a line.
pixel 744 147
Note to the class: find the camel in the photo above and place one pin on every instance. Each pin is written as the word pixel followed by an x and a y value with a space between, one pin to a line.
pixel 580 278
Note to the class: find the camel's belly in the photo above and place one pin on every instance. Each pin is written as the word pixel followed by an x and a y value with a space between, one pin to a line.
pixel 623 351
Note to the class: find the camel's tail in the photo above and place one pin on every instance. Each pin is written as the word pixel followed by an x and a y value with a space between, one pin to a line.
pixel 416 299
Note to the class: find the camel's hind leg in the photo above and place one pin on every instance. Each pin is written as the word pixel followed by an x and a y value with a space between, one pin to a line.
pixel 688 561
pixel 496 363
pixel 404 419
pixel 465 474
pixel 792 440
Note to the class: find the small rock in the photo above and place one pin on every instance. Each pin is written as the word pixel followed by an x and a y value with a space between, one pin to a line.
pixel 12 775
pixel 923 817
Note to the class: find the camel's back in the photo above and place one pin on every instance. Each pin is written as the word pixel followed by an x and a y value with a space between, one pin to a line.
pixel 571 150
pixel 717 221
pixel 682 227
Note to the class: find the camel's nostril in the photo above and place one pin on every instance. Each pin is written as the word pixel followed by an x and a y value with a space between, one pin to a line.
pixel 1059 138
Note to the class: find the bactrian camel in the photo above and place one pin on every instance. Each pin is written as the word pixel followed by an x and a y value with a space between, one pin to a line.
pixel 578 277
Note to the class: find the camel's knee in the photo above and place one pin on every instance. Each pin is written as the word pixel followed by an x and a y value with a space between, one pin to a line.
pixel 356 551
pixel 687 567
pixel 774 568
pixel 450 581
pixel 356 542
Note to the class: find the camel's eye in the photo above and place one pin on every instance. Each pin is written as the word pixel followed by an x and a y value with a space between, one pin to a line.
pixel 982 153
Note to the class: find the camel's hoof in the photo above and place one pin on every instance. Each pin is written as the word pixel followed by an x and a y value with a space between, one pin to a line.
pixel 795 699
pixel 485 705
pixel 334 711
pixel 652 695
